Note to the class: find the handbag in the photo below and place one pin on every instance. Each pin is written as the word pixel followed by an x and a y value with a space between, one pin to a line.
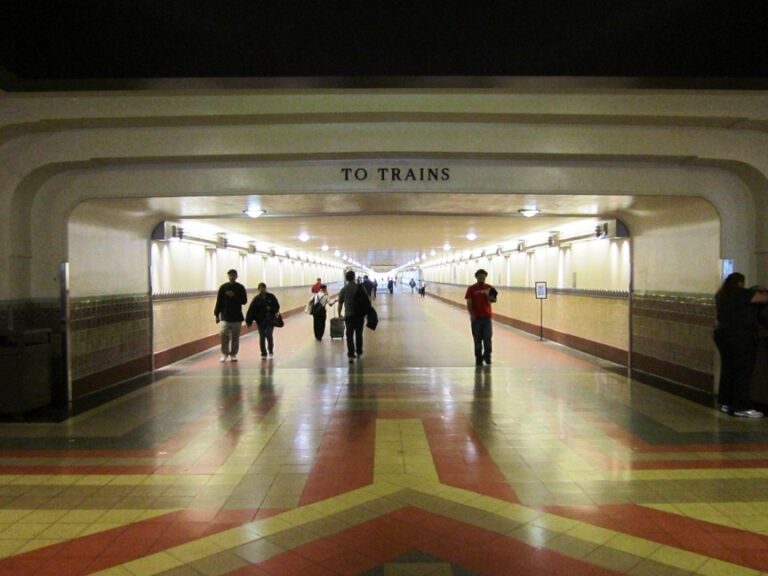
pixel 372 319
pixel 277 321
pixel 309 308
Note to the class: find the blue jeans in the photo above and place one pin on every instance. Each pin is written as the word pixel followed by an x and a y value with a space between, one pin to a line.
pixel 482 333
pixel 265 336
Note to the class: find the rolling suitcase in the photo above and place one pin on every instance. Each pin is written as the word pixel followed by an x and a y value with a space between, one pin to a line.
pixel 337 327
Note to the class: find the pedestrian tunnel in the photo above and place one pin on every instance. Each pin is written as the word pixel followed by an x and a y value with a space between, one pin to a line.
pixel 627 279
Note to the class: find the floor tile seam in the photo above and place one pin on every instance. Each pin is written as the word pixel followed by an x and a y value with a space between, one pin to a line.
pixel 584 531
pixel 261 529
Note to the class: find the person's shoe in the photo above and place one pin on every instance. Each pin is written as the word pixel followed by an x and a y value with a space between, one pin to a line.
pixel 725 408
pixel 488 360
pixel 478 362
pixel 748 414
pixel 263 356
pixel 271 353
pixel 233 358
pixel 223 358
pixel 351 359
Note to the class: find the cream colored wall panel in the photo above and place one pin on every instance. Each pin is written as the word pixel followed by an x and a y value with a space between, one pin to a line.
pixel 106 256
pixel 601 320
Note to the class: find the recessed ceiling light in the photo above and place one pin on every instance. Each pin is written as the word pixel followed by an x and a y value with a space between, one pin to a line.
pixel 471 236
pixel 253 212
pixel 304 237
pixel 432 252
pixel 529 212
pixel 324 248
pixel 446 247
pixel 336 253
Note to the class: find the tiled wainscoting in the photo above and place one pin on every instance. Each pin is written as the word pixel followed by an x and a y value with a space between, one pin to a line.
pixel 672 338
pixel 110 339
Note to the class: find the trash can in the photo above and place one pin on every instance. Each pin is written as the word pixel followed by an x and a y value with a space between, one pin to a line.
pixel 25 370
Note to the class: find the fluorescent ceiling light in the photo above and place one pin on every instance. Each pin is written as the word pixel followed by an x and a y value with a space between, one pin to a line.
pixel 324 248
pixel 471 236
pixel 446 247
pixel 253 212
pixel 529 212
pixel 304 237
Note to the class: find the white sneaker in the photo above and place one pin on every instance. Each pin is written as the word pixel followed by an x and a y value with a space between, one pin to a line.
pixel 233 358
pixel 223 358
pixel 725 408
pixel 748 414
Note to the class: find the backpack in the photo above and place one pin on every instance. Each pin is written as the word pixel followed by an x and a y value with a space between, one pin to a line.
pixel 362 302
pixel 317 306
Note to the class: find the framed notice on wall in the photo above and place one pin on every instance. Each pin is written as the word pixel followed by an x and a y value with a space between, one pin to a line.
pixel 541 290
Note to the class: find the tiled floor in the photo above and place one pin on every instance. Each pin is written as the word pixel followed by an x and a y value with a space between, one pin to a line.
pixel 409 462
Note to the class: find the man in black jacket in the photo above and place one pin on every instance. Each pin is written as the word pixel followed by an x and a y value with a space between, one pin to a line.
pixel 229 312
pixel 263 309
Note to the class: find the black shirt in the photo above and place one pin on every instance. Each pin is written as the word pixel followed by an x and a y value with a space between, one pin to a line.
pixel 230 308
pixel 734 311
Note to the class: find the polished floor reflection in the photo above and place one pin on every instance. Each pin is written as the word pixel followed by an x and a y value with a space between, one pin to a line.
pixel 411 461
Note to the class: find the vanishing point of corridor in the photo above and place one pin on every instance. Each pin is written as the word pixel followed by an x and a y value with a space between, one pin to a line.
pixel 411 461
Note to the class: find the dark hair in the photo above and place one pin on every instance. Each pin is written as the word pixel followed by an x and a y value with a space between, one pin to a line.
pixel 261 284
pixel 481 271
pixel 730 283
pixel 350 275
pixel 233 271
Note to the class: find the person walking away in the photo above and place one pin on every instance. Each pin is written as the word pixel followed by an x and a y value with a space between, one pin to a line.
pixel 375 288
pixel 316 286
pixel 351 301
pixel 479 297
pixel 228 312
pixel 391 286
pixel 412 284
pixel 368 285
pixel 423 290
pixel 263 309
pixel 319 314
pixel 736 340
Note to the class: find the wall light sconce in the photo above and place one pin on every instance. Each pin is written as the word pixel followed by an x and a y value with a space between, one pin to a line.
pixel 221 241
pixel 521 246
pixel 529 212
pixel 177 233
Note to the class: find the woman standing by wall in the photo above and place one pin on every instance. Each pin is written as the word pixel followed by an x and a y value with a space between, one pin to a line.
pixel 736 340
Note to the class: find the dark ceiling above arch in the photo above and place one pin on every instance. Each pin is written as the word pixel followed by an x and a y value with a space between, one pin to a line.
pixel 79 44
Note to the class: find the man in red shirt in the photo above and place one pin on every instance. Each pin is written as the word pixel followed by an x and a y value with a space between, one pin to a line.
pixel 479 297
pixel 316 286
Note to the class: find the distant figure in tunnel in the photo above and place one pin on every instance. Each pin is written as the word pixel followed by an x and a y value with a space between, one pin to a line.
pixel 479 297
pixel 391 286
pixel 263 309
pixel 736 340
pixel 229 312
pixel 316 286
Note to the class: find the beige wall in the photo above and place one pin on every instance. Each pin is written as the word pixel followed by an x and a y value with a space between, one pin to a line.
pixel 603 320
pixel 107 254
pixel 179 321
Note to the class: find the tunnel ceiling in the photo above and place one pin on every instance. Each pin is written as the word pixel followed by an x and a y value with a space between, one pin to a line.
pixel 389 229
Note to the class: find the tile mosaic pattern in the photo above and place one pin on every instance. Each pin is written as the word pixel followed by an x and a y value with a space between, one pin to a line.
pixel 410 461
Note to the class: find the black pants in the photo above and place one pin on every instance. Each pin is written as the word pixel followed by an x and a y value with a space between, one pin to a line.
pixel 738 351
pixel 354 327
pixel 318 321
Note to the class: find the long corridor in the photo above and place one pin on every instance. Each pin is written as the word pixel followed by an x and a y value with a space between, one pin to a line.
pixel 411 461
